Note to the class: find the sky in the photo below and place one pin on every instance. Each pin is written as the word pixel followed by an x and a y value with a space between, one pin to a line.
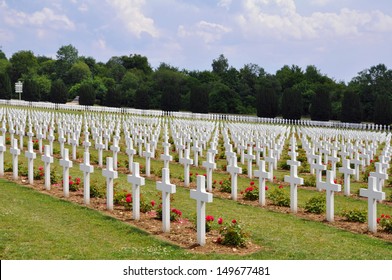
pixel 339 37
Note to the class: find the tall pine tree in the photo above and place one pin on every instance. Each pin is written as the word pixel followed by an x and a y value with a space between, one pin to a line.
pixel 291 104
pixel 382 110
pixel 351 108
pixel 5 86
pixel 320 109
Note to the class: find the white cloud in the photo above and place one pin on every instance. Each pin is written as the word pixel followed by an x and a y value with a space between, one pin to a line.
pixel 45 18
pixel 131 14
pixel 280 19
pixel 207 31
pixel 224 4
pixel 320 2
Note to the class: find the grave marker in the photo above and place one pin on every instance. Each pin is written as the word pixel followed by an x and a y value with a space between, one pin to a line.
pixel 166 188
pixel 110 175
pixel 330 187
pixel 137 181
pixel 86 168
pixel 47 159
pixel 66 164
pixel 201 197
pixel 30 155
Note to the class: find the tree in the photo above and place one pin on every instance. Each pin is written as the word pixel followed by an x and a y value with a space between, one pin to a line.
pixel 22 63
pixel 223 99
pixel 142 97
pixel 136 61
pixel 2 54
pixel 58 92
pixel 382 110
pixel 291 104
pixel 220 65
pixel 31 91
pixel 289 76
pixel 351 108
pixel 267 96
pixel 86 93
pixel 320 109
pixel 198 97
pixel 78 72
pixel 5 86
pixel 113 97
pixel 66 57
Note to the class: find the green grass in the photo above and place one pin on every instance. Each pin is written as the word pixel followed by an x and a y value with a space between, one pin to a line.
pixel 38 226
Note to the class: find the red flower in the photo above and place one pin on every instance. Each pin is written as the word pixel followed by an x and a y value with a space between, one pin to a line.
pixel 220 221
pixel 128 199
pixel 69 177
pixel 152 203
pixel 197 174
pixel 214 181
pixel 387 216
pixel 220 182
pixel 274 177
pixel 382 216
pixel 252 183
pixel 205 175
pixel 234 221
pixel 40 168
pixel 190 174
pixel 128 195
pixel 219 240
pixel 209 218
pixel 266 188
pixel 335 181
pixel 378 220
pixel 280 187
pixel 71 183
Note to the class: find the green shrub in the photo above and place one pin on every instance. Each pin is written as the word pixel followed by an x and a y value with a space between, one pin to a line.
pixel 310 181
pixel 232 235
pixel 97 190
pixel 355 215
pixel 225 185
pixel 385 222
pixel 251 192
pixel 279 197
pixel 315 205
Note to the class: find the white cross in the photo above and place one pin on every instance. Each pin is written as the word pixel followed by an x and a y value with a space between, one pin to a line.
pixel 130 152
pixel 263 176
pixel 99 146
pixel 356 161
pixel 201 197
pixel 330 187
pixel 15 153
pixel 166 157
pixel 234 170
pixel 115 149
pixel 40 136
pixel 86 142
pixel 186 161
pixel 148 155
pixel 136 180
pixel 319 167
pixel 166 188
pixel 51 139
pixel 294 181
pixel 250 157
pixel 74 143
pixel 30 155
pixel 347 171
pixel 258 150
pixel 86 168
pixel 334 159
pixel 270 160
pixel 66 164
pixel 47 159
pixel 110 175
pixel 3 149
pixel 196 149
pixel 379 175
pixel 373 196
pixel 209 165
pixel 61 141
pixel 229 153
pixel 242 147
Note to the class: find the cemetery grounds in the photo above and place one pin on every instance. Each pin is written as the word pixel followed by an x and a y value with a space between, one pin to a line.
pixel 36 223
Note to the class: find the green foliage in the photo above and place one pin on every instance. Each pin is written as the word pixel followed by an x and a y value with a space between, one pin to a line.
pixel 385 222
pixel 251 192
pixel 291 104
pixel 58 92
pixel 31 90
pixel 267 97
pixel 225 185
pixel 355 215
pixel 54 177
pixel 279 197
pixel 86 94
pixel 232 235
pixel 5 86
pixel 310 181
pixel 198 97
pixel 315 204
pixel 351 108
pixel 383 110
pixel 97 189
pixel 320 109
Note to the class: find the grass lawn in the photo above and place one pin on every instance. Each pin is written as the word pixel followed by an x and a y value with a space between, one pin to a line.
pixel 38 226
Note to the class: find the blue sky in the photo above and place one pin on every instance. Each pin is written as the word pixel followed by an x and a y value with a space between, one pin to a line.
pixel 339 37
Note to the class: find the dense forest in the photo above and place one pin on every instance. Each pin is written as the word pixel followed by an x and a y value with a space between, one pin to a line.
pixel 130 81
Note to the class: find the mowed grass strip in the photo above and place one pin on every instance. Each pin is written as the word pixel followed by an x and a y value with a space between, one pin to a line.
pixel 37 226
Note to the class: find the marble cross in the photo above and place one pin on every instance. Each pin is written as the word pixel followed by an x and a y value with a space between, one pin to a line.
pixel 202 197
pixel 166 188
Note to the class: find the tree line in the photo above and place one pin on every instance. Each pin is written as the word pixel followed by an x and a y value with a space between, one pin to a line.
pixel 130 81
